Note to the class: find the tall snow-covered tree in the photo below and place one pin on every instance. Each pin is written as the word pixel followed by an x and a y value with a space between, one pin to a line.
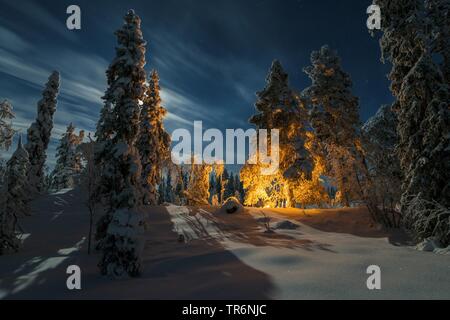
pixel 68 160
pixel 118 158
pixel 153 141
pixel 379 140
pixel 278 108
pixel 424 130
pixel 39 133
pixel 6 129
pixel 415 40
pixel 13 198
pixel 334 116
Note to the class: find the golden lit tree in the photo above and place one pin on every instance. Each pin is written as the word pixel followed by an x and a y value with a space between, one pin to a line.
pixel 311 191
pixel 334 116
pixel 153 142
pixel 197 192
pixel 263 190
pixel 279 108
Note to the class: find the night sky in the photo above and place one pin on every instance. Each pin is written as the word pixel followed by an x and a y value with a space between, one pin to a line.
pixel 212 55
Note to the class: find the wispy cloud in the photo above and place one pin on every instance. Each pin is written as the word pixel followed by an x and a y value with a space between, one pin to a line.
pixel 41 17
pixel 14 42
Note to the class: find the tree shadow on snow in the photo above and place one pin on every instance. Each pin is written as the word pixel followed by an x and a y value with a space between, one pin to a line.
pixel 56 234
pixel 243 227
pixel 355 221
pixel 198 269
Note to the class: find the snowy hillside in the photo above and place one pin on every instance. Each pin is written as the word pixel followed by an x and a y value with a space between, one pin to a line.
pixel 312 254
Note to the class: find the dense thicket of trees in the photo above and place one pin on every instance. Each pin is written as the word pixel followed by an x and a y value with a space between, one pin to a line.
pixel 415 40
pixel 383 174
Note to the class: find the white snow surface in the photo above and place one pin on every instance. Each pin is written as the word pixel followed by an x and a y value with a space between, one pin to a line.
pixel 223 257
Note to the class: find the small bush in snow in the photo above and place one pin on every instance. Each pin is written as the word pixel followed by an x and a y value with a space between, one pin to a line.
pixel 286 225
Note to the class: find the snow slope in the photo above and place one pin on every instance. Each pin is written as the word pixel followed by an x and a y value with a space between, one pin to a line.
pixel 325 256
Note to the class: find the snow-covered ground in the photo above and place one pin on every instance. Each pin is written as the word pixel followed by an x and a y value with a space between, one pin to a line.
pixel 312 254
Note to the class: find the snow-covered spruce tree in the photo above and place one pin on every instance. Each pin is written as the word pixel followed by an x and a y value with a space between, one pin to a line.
pixel 13 198
pixel 39 133
pixel 154 141
pixel 278 108
pixel 334 117
pixel 379 139
pixel 424 130
pixel 118 158
pixel 6 130
pixel 414 41
pixel 68 160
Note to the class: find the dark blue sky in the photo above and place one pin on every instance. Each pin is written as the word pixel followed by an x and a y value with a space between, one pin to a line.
pixel 212 55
